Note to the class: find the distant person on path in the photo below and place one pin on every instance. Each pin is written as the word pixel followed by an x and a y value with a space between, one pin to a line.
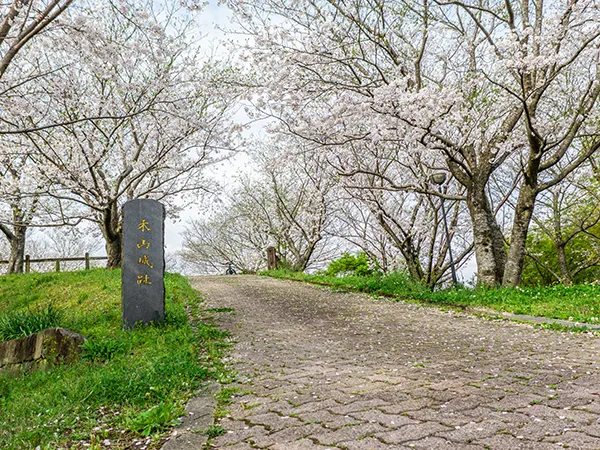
pixel 230 270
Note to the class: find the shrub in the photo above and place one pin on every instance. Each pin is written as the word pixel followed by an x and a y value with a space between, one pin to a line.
pixel 349 264
pixel 18 324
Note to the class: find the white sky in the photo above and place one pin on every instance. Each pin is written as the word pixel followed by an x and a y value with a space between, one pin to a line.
pixel 212 17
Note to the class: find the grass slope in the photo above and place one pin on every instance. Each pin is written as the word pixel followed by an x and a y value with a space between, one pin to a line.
pixel 129 385
pixel 579 303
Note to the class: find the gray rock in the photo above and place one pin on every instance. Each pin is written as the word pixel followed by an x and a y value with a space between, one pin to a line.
pixel 51 345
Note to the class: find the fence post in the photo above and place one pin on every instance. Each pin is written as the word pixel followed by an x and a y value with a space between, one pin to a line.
pixel 271 258
pixel 27 264
pixel 87 261
pixel 58 265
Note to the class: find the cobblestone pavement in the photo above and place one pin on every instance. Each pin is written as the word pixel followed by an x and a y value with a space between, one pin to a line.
pixel 319 370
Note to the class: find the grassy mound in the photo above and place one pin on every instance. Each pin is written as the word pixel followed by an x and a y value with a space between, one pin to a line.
pixel 129 385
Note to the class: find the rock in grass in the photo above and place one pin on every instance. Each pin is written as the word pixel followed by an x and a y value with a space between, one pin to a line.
pixel 49 346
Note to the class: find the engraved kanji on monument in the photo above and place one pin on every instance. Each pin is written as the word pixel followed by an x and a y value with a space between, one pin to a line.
pixel 143 290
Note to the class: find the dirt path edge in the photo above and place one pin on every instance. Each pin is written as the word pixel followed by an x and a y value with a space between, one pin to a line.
pixel 190 434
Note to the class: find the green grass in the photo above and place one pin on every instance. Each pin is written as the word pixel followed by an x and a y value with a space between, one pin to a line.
pixel 214 431
pixel 579 303
pixel 127 385
pixel 18 324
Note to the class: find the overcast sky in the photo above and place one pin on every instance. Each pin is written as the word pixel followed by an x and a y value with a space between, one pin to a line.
pixel 211 18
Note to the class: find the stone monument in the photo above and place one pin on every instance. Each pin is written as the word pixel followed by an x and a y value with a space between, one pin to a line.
pixel 143 291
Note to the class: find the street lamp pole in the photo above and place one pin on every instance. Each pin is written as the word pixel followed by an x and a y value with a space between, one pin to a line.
pixel 439 179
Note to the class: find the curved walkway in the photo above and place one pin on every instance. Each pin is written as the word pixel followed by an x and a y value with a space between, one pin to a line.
pixel 320 370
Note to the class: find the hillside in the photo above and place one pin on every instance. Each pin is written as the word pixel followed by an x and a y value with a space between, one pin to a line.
pixel 129 386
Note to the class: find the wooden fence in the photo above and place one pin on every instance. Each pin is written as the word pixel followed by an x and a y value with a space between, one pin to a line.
pixel 87 258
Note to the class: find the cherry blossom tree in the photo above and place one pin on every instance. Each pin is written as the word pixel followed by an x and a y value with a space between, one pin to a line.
pixel 164 113
pixel 564 245
pixel 285 203
pixel 22 24
pixel 20 207
pixel 23 204
pixel 411 218
pixel 549 65
pixel 31 31
pixel 472 85
pixel 292 204
pixel 355 224
pixel 227 234
pixel 22 21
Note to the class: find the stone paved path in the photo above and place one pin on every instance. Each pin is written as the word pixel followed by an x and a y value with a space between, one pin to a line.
pixel 327 370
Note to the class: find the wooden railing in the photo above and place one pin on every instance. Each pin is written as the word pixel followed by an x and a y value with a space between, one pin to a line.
pixel 87 258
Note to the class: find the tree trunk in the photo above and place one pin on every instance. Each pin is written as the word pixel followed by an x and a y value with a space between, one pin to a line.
pixel 114 252
pixel 565 274
pixel 518 239
pixel 487 237
pixel 404 244
pixel 299 265
pixel 112 231
pixel 17 250
pixel 303 259
pixel 16 238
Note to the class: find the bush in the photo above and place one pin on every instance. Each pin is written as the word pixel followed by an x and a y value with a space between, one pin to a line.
pixel 18 324
pixel 349 264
